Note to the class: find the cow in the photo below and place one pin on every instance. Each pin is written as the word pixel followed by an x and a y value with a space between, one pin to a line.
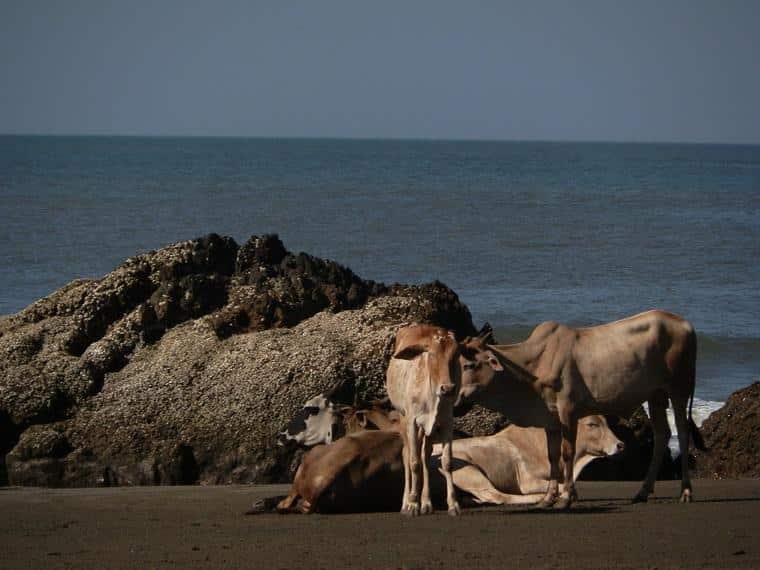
pixel 362 471
pixel 511 467
pixel 333 414
pixel 560 374
pixel 422 382
pixel 322 418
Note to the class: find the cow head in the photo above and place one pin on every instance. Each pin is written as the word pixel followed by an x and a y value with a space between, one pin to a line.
pixel 320 419
pixel 478 362
pixel 595 438
pixel 441 364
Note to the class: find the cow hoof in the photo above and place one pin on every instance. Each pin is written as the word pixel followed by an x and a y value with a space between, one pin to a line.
pixel 640 498
pixel 454 510
pixel 426 508
pixel 563 504
pixel 686 496
pixel 412 510
pixel 546 503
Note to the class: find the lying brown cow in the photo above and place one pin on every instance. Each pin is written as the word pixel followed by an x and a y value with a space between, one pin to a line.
pixel 607 369
pixel 362 471
pixel 422 382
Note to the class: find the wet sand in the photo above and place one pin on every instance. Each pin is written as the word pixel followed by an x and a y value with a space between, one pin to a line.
pixel 155 527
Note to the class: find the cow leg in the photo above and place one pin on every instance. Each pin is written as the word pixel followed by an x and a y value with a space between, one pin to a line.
pixel 553 444
pixel 426 505
pixel 473 481
pixel 407 474
pixel 286 505
pixel 413 441
pixel 447 435
pixel 407 467
pixel 682 427
pixel 658 405
pixel 569 431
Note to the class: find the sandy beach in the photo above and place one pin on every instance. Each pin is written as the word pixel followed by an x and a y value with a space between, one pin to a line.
pixel 204 527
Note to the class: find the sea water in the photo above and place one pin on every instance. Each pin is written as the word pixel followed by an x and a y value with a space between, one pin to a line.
pixel 582 233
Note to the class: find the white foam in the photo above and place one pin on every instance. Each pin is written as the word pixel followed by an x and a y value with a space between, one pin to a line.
pixel 701 410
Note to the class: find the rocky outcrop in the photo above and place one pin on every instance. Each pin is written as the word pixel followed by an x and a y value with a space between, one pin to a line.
pixel 182 364
pixel 732 437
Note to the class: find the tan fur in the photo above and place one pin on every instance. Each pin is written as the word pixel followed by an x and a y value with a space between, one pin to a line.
pixel 560 374
pixel 423 381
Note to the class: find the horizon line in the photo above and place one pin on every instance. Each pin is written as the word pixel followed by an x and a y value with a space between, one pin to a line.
pixel 376 138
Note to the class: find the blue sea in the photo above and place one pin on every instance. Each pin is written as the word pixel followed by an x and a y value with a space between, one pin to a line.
pixel 582 233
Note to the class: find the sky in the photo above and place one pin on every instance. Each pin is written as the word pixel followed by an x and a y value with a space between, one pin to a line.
pixel 679 71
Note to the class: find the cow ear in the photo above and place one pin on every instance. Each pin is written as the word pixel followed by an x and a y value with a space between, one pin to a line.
pixel 493 362
pixel 361 418
pixel 486 334
pixel 345 411
pixel 410 352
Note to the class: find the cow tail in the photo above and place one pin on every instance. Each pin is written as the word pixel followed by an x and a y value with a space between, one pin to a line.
pixel 696 436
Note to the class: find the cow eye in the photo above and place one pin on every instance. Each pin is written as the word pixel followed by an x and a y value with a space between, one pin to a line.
pixel 469 366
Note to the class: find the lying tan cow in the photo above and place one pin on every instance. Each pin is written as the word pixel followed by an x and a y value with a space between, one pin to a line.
pixel 422 382
pixel 512 467
pixel 560 374
pixel 362 471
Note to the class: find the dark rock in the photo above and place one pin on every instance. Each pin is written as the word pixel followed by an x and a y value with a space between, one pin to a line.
pixel 273 288
pixel 479 421
pixel 37 459
pixel 181 365
pixel 183 468
pixel 732 437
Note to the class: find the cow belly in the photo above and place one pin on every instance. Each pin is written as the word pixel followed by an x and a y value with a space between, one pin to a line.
pixel 381 492
pixel 622 393
pixel 497 463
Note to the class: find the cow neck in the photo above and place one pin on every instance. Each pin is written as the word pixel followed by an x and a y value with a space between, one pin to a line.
pixel 521 358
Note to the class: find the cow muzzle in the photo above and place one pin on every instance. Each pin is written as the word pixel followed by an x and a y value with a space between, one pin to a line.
pixel 446 389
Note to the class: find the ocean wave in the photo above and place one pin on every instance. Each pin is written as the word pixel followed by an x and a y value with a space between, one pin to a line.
pixel 701 410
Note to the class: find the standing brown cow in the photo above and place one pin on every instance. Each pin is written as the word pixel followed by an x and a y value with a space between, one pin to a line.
pixel 607 369
pixel 423 381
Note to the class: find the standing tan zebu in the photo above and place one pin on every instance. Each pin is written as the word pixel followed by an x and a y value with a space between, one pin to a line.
pixel 423 381
pixel 606 369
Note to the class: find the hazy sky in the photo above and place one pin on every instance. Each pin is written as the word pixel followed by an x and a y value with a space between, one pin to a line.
pixel 660 70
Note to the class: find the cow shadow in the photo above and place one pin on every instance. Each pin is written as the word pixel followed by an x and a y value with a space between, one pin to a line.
pixel 532 510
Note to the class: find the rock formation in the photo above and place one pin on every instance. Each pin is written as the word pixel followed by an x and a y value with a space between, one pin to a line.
pixel 182 364
pixel 732 437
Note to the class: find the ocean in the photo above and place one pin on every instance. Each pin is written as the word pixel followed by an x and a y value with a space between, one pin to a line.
pixel 582 233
